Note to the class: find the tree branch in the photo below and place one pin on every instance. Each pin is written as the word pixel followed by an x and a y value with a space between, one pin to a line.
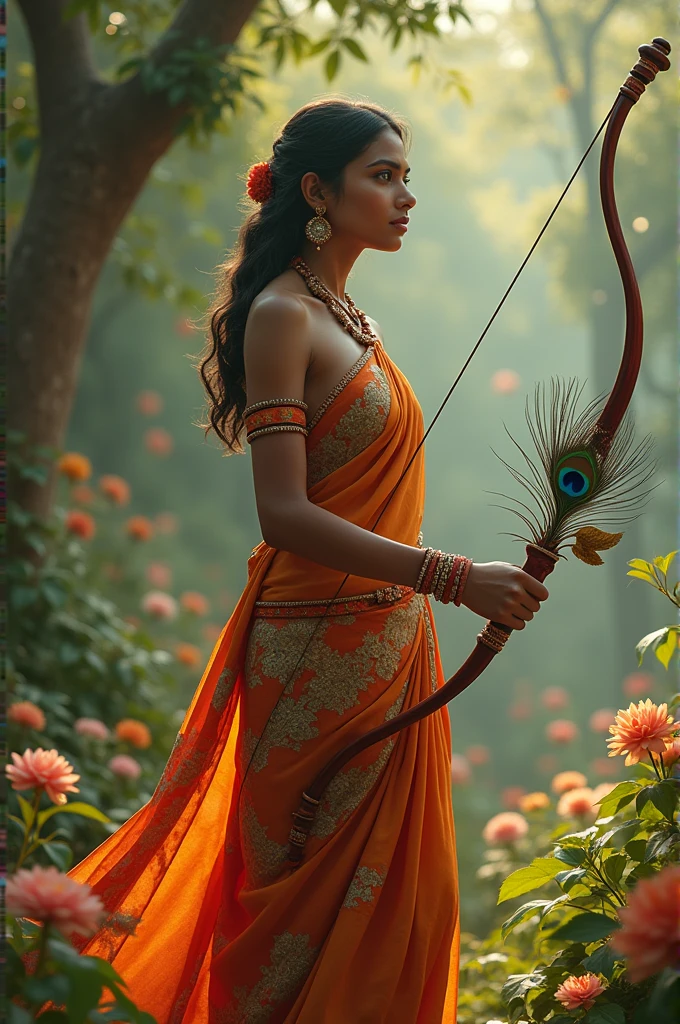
pixel 596 24
pixel 149 115
pixel 553 44
pixel 63 56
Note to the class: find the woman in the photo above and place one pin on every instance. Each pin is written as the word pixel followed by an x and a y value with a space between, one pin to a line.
pixel 209 920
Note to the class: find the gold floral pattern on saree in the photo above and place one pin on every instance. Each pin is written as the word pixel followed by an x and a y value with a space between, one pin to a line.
pixel 358 427
pixel 291 959
pixel 264 857
pixel 429 633
pixel 223 689
pixel 362 887
pixel 337 678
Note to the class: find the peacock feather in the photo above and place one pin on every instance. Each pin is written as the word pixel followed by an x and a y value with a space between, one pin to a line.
pixel 575 481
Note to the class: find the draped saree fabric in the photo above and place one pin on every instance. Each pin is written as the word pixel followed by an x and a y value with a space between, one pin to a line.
pixel 205 922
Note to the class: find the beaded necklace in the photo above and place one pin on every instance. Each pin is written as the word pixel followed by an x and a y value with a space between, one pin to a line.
pixel 355 321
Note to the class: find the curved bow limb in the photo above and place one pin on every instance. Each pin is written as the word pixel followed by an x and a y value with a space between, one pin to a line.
pixel 542 555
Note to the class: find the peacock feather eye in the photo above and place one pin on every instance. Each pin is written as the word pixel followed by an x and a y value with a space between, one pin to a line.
pixel 575 475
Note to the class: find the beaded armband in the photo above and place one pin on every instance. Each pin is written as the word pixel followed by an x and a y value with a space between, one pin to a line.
pixel 275 415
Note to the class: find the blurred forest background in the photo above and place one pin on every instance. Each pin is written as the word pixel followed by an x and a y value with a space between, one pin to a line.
pixel 501 109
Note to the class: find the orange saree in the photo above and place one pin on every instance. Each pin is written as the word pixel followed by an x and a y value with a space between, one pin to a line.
pixel 205 923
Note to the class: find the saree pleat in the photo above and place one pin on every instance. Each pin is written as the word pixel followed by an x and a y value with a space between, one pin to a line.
pixel 205 921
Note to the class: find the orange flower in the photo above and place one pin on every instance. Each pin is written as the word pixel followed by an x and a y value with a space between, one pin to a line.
pixel 139 528
pixel 159 575
pixel 28 714
pixel 158 441
pixel 115 489
pixel 460 770
pixel 505 382
pixel 42 769
pixel 506 827
pixel 554 698
pixel 149 403
pixel 134 731
pixel 75 466
pixel 672 751
pixel 45 894
pixel 81 523
pixel 561 730
pixel 194 602
pixel 643 727
pixel 534 802
pixel 511 796
pixel 577 803
pixel 637 683
pixel 160 605
pixel 564 781
pixel 83 494
pixel 601 720
pixel 477 754
pixel 650 934
pixel 188 654
pixel 575 993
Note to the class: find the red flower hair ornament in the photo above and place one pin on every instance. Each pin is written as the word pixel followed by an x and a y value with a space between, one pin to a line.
pixel 260 184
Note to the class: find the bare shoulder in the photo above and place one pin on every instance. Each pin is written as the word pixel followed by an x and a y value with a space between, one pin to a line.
pixel 276 344
pixel 375 327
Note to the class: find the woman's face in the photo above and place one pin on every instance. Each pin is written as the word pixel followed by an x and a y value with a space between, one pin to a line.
pixel 375 195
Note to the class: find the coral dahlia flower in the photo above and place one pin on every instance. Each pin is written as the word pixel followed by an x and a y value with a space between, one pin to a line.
pixel 158 441
pixel 91 727
pixel 42 769
pixel 601 719
pixel 577 803
pixel 139 528
pixel 554 698
pixel 83 494
pixel 650 934
pixel 672 752
pixel 115 489
pixel 159 575
pixel 505 382
pixel 194 602
pixel 45 894
pixel 160 605
pixel 460 770
pixel 511 796
pixel 135 732
pixel 75 466
pixel 643 727
pixel 564 781
pixel 188 654
pixel 561 730
pixel 534 802
pixel 81 523
pixel 149 403
pixel 125 767
pixel 575 993
pixel 477 754
pixel 506 827
pixel 637 683
pixel 28 714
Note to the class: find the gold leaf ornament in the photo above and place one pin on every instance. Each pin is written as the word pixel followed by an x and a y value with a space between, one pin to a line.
pixel 590 540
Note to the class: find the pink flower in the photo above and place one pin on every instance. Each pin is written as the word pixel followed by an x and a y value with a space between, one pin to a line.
pixel 506 827
pixel 546 763
pixel 28 714
pixel 575 993
pixel 91 727
pixel 125 767
pixel 149 403
pixel 477 754
pixel 601 720
pixel 564 781
pixel 42 769
pixel 159 575
pixel 160 605
pixel 554 698
pixel 460 770
pixel 505 382
pixel 577 803
pixel 561 730
pixel 650 934
pixel 195 602
pixel 520 710
pixel 511 796
pixel 167 522
pixel 641 728
pixel 637 683
pixel 45 894
pixel 158 441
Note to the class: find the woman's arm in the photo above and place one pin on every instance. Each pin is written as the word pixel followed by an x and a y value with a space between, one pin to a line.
pixel 277 352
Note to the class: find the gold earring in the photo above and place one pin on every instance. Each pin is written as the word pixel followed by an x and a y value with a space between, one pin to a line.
pixel 318 229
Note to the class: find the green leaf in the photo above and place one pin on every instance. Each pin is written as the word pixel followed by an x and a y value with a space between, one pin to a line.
pixel 639 563
pixel 606 1013
pixel 663 561
pixel 526 910
pixel 614 867
pixel 664 651
pixel 636 849
pixel 570 855
pixel 586 928
pixel 354 49
pixel 77 807
pixel 643 576
pixel 613 802
pixel 332 65
pixel 665 798
pixel 517 986
pixel 60 854
pixel 647 641
pixel 540 871
pixel 26 809
pixel 619 835
pixel 601 961
pixel 662 843
pixel 567 879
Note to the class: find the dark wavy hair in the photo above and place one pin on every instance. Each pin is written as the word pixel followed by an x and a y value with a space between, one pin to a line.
pixel 324 137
